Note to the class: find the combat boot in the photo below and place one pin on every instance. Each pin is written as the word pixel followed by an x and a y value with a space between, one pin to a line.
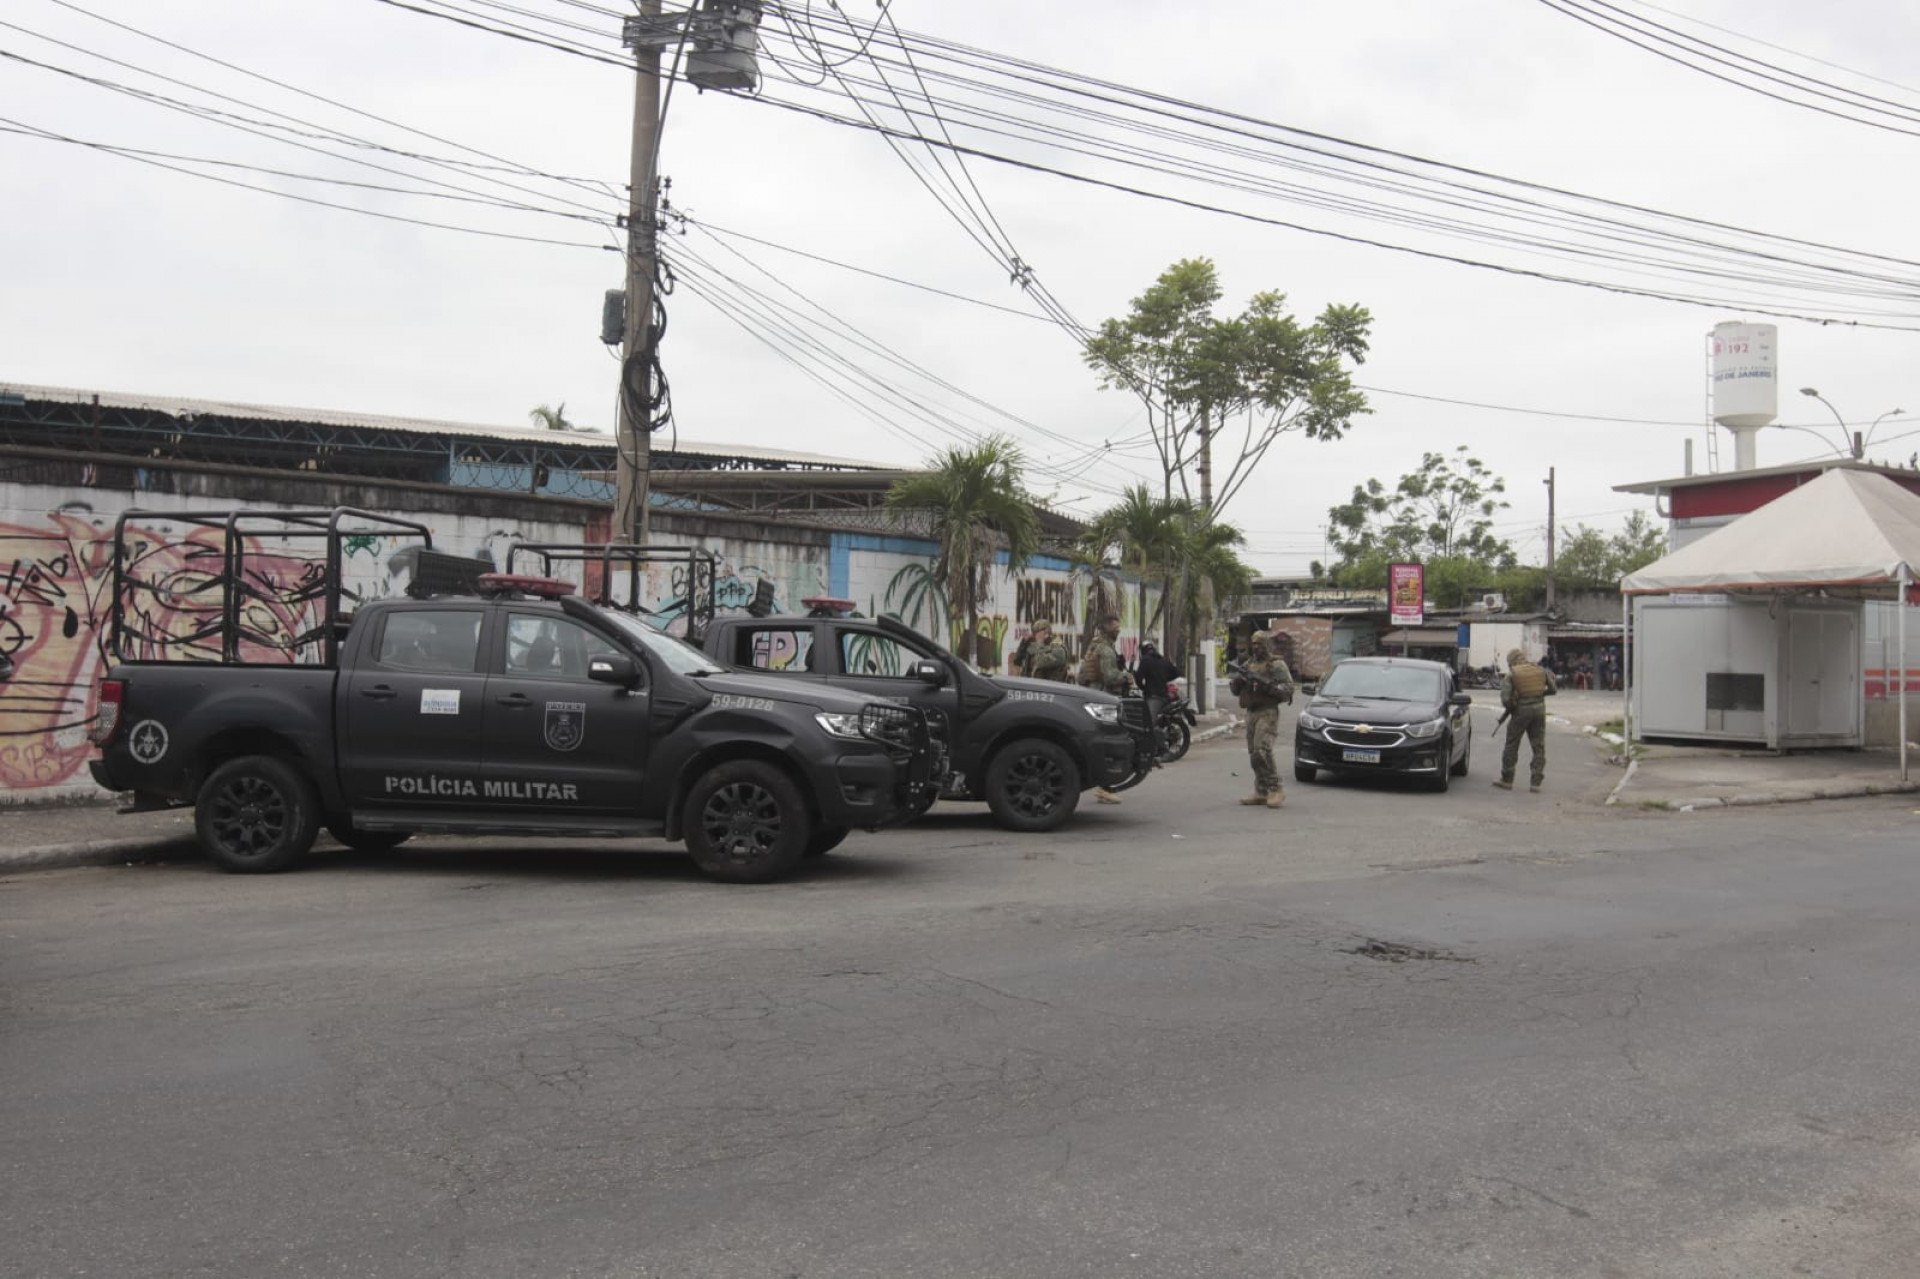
pixel 1254 799
pixel 1503 785
pixel 1276 799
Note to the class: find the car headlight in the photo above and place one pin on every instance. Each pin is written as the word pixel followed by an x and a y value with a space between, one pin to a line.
pixel 1310 722
pixel 1105 712
pixel 1431 728
pixel 840 723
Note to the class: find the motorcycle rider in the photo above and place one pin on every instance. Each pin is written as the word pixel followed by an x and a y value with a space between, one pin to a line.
pixel 1154 672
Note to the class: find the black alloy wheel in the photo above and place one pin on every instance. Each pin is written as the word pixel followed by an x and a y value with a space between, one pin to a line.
pixel 1032 785
pixel 746 822
pixel 256 815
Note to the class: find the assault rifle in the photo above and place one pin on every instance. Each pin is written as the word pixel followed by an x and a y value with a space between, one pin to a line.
pixel 1244 676
pixel 1506 714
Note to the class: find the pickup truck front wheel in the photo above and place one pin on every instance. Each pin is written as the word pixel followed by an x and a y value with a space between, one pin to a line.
pixel 1032 785
pixel 746 822
pixel 255 815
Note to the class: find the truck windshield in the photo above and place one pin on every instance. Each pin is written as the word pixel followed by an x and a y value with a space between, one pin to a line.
pixel 677 655
pixel 1388 683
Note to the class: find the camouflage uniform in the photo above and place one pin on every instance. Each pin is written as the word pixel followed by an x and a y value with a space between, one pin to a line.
pixel 1524 692
pixel 1262 703
pixel 1100 668
pixel 1047 660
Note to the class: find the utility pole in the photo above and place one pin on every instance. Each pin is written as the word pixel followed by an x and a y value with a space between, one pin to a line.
pixel 1549 483
pixel 634 440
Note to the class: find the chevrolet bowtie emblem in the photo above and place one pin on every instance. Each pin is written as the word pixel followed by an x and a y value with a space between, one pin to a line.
pixel 1363 728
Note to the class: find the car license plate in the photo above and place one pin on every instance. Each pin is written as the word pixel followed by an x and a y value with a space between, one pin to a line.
pixel 1352 756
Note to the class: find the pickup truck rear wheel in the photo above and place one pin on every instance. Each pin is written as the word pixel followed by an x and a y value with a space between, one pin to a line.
pixel 256 814
pixel 1032 785
pixel 746 822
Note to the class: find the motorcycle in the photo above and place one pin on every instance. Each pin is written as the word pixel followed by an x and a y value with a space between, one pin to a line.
pixel 1176 726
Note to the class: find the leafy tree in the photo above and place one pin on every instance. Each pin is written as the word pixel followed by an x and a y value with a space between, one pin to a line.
pixel 1442 510
pixel 1588 557
pixel 552 419
pixel 969 502
pixel 1196 373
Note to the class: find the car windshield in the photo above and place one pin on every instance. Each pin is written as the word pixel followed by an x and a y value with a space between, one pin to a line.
pixel 676 655
pixel 1387 683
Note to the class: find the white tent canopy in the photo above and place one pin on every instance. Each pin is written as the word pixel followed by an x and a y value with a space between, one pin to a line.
pixel 1849 533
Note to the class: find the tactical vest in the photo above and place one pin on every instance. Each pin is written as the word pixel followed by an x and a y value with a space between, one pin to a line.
pixel 1090 664
pixel 1529 682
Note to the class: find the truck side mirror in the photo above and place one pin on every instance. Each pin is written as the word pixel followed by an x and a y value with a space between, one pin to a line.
pixel 1460 699
pixel 932 674
pixel 616 668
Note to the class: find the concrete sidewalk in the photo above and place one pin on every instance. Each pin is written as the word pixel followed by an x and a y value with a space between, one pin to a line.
pixel 1688 778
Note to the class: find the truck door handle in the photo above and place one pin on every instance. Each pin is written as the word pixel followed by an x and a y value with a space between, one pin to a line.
pixel 379 692
pixel 515 699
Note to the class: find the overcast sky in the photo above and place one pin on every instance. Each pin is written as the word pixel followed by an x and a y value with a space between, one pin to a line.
pixel 126 277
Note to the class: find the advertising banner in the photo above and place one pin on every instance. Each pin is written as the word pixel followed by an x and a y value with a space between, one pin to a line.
pixel 1407 593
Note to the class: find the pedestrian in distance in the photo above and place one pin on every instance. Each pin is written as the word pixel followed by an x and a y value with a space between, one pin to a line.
pixel 1155 673
pixel 1263 685
pixel 1524 693
pixel 1044 656
pixel 1101 668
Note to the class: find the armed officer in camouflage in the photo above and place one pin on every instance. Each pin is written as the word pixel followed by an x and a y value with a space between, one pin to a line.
pixel 1261 689
pixel 1524 693
pixel 1100 668
pixel 1046 656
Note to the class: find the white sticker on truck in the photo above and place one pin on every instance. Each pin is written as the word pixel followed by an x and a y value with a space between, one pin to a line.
pixel 439 701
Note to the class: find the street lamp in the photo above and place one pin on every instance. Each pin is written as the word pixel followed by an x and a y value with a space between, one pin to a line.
pixel 1850 443
pixel 1877 421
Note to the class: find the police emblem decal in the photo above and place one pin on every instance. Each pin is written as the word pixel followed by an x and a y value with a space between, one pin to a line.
pixel 566 725
pixel 147 743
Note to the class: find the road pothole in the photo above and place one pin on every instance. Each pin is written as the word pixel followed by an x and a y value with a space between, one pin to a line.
pixel 1394 952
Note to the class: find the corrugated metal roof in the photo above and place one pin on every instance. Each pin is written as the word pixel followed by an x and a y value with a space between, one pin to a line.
pixel 186 408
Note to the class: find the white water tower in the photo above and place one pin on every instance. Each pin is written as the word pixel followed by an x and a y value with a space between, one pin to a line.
pixel 1745 383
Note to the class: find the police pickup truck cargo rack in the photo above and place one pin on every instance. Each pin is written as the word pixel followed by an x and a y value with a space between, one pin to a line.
pixel 477 703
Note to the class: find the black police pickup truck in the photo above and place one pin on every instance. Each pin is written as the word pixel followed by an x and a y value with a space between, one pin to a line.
pixel 1027 747
pixel 520 709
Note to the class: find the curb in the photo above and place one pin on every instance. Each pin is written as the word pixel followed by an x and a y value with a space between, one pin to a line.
pixel 1756 799
pixel 95 852
pixel 1217 731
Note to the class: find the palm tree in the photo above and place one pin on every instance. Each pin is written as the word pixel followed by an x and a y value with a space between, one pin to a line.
pixel 969 502
pixel 1210 570
pixel 552 419
pixel 1141 533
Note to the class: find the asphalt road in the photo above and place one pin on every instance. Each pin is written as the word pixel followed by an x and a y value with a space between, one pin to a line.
pixel 1378 1033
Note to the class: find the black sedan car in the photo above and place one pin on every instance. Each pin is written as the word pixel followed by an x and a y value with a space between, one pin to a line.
pixel 1386 715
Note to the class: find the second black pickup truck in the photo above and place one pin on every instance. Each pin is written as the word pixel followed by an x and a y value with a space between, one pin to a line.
pixel 518 709
pixel 1027 747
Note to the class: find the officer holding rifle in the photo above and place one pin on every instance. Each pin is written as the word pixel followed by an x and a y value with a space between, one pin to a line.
pixel 1262 684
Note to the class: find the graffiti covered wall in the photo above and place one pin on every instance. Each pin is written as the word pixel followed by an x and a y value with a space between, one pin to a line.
pixel 56 566
pixel 894 575
pixel 56 561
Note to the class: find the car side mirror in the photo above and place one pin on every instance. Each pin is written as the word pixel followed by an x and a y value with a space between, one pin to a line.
pixel 616 668
pixel 932 674
pixel 1460 699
